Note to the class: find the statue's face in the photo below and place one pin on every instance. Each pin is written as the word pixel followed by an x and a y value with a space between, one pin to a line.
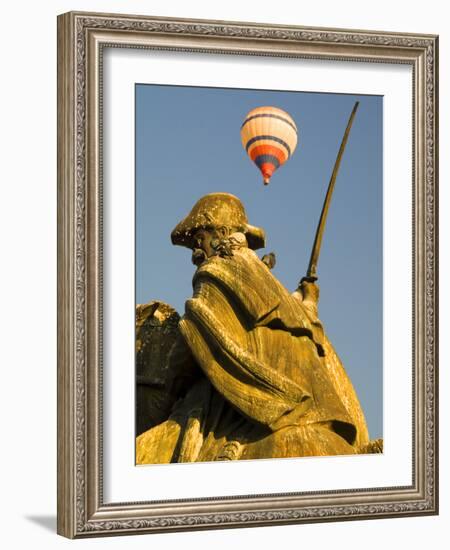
pixel 202 240
pixel 205 243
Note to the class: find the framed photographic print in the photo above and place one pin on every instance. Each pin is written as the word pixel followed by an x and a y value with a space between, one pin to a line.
pixel 247 280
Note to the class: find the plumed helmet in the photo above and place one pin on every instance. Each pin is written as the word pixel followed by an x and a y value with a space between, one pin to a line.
pixel 213 211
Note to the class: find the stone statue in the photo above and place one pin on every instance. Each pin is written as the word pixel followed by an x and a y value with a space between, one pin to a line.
pixel 250 372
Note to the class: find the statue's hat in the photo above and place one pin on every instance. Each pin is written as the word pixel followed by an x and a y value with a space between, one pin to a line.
pixel 213 211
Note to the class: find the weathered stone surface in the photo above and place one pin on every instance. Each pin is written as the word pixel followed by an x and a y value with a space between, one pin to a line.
pixel 375 446
pixel 156 330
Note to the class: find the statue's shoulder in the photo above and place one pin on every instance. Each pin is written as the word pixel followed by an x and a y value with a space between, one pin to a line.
pixel 240 270
pixel 244 278
pixel 225 266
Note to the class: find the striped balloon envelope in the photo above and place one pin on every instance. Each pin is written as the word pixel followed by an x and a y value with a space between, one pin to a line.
pixel 269 135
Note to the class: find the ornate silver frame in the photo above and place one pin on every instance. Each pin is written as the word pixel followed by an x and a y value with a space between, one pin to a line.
pixel 81 39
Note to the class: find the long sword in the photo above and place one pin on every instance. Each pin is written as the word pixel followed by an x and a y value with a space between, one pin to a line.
pixel 311 274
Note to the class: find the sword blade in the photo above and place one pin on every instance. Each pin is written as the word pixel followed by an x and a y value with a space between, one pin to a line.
pixel 311 274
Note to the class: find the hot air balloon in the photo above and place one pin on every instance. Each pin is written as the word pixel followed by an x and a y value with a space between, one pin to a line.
pixel 269 135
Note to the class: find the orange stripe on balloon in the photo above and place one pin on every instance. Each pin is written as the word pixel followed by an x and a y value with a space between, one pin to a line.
pixel 267 169
pixel 268 150
pixel 270 143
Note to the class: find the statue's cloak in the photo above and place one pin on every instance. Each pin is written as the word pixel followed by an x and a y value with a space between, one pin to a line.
pixel 263 387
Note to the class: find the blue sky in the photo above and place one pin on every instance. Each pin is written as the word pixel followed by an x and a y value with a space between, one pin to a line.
pixel 188 144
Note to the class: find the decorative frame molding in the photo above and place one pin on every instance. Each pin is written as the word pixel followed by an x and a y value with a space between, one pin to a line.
pixel 81 38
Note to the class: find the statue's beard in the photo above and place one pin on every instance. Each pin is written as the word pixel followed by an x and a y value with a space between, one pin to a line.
pixel 198 256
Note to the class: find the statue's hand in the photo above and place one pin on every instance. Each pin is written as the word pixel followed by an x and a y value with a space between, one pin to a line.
pixel 310 291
